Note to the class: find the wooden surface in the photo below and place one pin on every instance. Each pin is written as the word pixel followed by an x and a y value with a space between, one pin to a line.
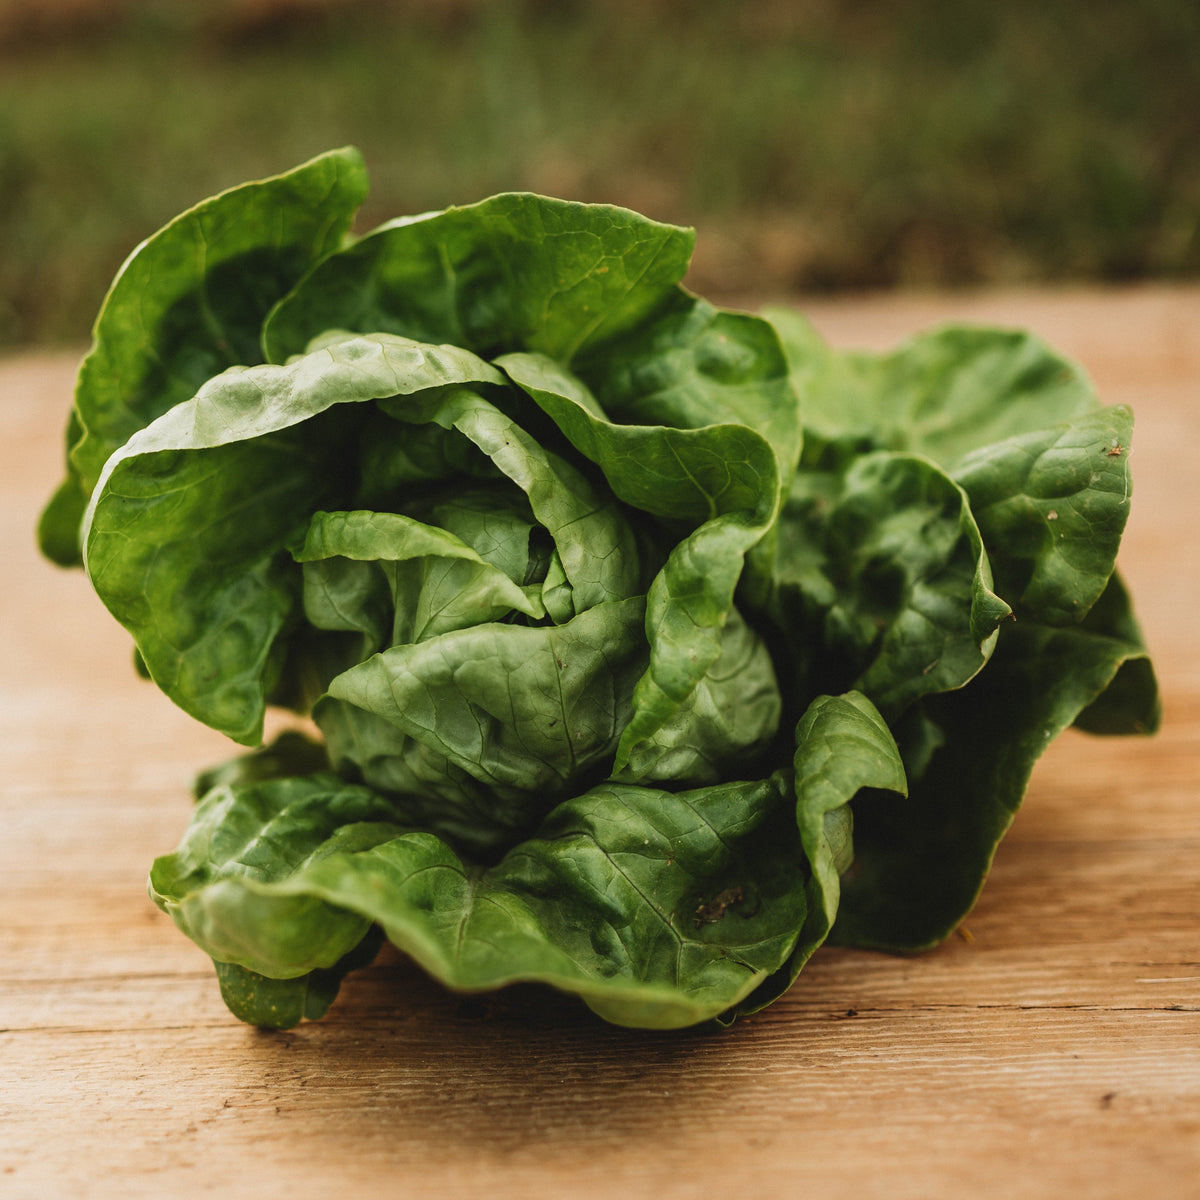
pixel 1056 1053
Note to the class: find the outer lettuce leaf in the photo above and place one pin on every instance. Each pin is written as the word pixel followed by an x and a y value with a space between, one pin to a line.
pixel 843 746
pixel 1018 426
pixel 1045 473
pixel 245 835
pixel 657 909
pixel 282 1003
pixel 919 866
pixel 1053 504
pixel 513 272
pixel 58 525
pixel 188 303
pixel 1131 702
pixel 184 537
pixel 941 394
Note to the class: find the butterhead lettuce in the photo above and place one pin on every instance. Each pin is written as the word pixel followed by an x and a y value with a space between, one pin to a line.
pixel 650 644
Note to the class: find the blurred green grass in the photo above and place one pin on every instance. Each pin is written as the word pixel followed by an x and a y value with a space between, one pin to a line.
pixel 816 145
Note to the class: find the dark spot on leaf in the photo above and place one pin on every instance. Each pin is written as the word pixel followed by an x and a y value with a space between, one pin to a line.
pixel 715 908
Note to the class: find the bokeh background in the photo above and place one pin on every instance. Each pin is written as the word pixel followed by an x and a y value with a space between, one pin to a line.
pixel 817 145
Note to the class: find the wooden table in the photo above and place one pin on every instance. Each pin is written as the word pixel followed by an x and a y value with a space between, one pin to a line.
pixel 1054 1052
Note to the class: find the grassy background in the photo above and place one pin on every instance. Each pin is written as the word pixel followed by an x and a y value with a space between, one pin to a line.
pixel 816 144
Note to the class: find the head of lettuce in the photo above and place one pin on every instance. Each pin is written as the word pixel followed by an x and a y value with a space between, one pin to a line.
pixel 650 644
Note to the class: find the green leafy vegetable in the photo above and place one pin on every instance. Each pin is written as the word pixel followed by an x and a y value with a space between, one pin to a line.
pixel 650 645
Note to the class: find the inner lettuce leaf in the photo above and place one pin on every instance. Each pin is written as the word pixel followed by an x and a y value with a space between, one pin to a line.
pixel 882 581
pixel 650 645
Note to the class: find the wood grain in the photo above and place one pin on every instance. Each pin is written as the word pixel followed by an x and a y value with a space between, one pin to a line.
pixel 1056 1053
